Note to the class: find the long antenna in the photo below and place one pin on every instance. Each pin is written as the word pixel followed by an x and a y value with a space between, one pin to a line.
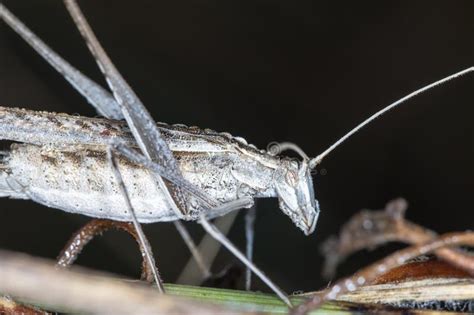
pixel 315 161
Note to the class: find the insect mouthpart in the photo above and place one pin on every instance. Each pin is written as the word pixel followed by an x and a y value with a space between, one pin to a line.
pixel 295 192
pixel 304 217
pixel 310 223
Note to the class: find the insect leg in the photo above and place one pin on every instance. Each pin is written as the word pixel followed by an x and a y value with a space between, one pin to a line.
pixel 249 238
pixel 144 241
pixel 196 254
pixel 139 120
pixel 208 247
pixel 214 232
pixel 95 94
pixel 134 156
pixel 101 99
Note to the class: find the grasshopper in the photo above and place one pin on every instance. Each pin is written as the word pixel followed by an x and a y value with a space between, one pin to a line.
pixel 145 172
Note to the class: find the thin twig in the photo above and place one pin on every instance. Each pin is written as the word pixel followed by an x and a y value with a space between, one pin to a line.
pixel 368 274
pixel 84 291
pixel 8 306
pixel 96 227
pixel 370 229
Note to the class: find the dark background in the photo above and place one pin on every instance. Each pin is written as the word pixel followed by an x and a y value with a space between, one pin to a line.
pixel 300 71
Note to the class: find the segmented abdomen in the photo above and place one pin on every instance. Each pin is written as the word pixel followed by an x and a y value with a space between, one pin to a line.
pixel 80 180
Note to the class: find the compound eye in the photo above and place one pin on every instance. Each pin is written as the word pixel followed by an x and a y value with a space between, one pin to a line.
pixel 291 178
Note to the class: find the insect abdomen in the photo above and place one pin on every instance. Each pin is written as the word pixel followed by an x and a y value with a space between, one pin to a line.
pixel 80 181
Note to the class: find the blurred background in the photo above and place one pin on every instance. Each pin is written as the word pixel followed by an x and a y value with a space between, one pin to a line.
pixel 300 71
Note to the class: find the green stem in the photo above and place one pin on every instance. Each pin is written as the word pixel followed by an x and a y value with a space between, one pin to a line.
pixel 247 300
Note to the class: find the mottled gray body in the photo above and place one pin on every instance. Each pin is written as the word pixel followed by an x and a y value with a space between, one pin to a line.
pixel 62 163
pixel 61 160
pixel 197 174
